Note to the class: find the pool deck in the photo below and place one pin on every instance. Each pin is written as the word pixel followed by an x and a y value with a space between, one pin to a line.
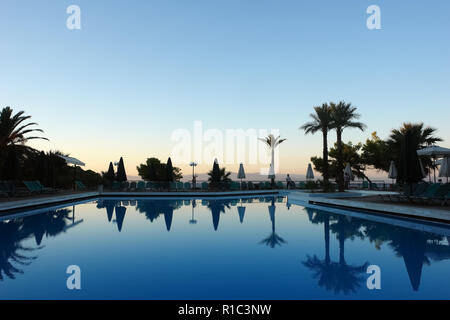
pixel 339 201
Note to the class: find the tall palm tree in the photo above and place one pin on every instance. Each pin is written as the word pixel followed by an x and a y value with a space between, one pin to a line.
pixel 344 116
pixel 272 142
pixel 14 134
pixel 321 121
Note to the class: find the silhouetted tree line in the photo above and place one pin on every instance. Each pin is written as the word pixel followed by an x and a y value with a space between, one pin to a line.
pixel 154 170
pixel 18 161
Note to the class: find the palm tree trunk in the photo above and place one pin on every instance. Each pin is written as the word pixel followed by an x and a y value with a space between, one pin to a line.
pixel 325 157
pixel 340 162
pixel 272 180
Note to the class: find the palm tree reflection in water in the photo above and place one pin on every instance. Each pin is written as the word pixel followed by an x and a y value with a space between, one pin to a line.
pixel 336 276
pixel 273 239
pixel 13 253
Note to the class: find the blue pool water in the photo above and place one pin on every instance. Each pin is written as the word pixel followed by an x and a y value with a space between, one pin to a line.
pixel 260 248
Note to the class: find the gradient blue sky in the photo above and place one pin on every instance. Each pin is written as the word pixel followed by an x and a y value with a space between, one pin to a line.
pixel 138 70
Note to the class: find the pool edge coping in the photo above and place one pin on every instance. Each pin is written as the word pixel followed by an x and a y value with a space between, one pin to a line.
pixel 30 204
pixel 424 214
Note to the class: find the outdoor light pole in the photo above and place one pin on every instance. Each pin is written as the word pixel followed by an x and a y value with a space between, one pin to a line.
pixel 193 165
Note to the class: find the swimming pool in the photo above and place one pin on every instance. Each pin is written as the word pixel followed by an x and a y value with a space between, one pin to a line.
pixel 249 248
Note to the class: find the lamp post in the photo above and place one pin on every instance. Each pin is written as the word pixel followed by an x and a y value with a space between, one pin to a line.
pixel 193 165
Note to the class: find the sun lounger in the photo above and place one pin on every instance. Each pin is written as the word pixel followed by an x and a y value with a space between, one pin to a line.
pixel 141 186
pixel 428 194
pixel 116 186
pixel 10 188
pixel 150 186
pixel 374 186
pixel 4 188
pixel 31 187
pixel 46 189
pixel 404 195
pixel 3 191
pixel 441 194
pixel 411 191
pixel 446 200
pixel 80 186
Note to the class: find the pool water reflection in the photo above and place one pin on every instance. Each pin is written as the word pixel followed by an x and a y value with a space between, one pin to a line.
pixel 258 248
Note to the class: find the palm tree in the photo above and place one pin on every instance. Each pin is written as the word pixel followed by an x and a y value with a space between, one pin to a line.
pixel 344 116
pixel 322 121
pixel 13 138
pixel 425 136
pixel 223 177
pixel 421 136
pixel 272 143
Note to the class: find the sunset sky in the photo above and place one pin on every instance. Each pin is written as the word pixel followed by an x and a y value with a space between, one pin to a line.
pixel 137 71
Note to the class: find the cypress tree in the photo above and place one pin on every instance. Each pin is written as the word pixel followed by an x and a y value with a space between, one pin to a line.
pixel 42 168
pixel 169 170
pixel 110 176
pixel 121 174
pixel 409 170
pixel 216 173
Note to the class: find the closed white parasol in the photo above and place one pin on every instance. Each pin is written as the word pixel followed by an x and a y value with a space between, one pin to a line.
pixel 392 171
pixel 309 172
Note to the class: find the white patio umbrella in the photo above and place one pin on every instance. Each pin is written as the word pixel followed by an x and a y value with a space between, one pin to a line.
pixel 75 162
pixel 434 152
pixel 348 171
pixel 241 173
pixel 392 171
pixel 444 171
pixel 309 172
